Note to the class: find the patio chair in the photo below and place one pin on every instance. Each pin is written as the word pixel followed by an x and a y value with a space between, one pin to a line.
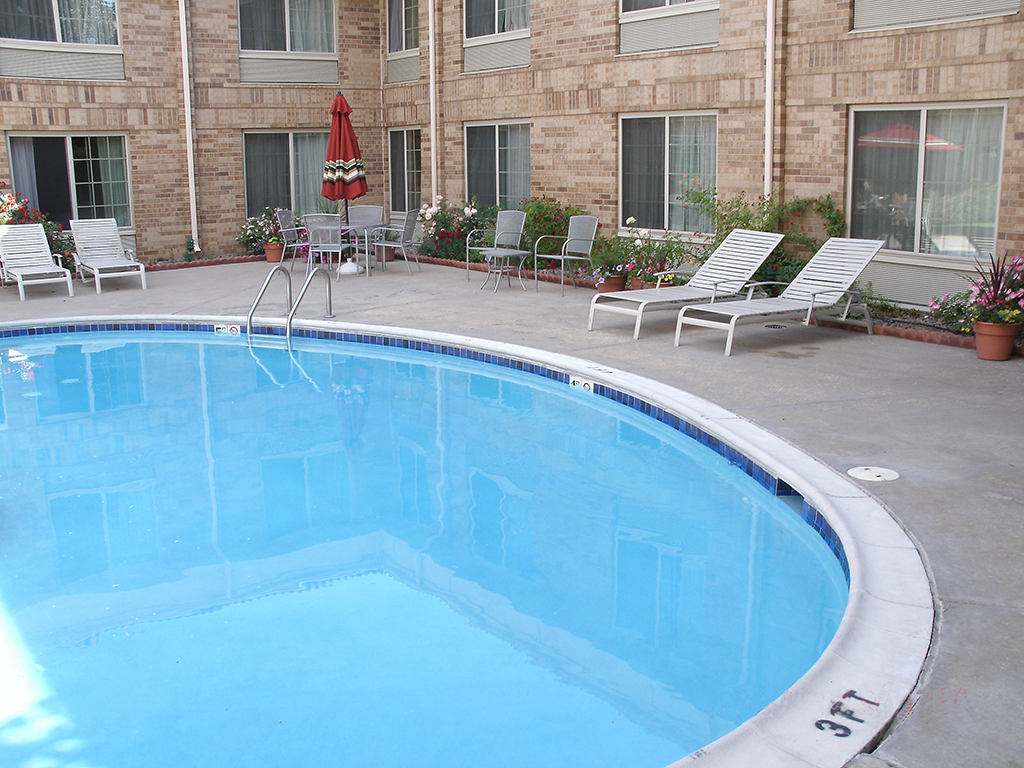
pixel 576 246
pixel 292 233
pixel 821 285
pixel 26 259
pixel 364 219
pixel 100 253
pixel 722 276
pixel 326 239
pixel 508 231
pixel 403 239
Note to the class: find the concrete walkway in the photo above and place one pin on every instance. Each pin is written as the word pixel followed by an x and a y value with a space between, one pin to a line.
pixel 951 425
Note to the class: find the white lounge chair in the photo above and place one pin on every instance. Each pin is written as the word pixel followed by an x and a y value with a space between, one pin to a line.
pixel 821 285
pixel 722 276
pixel 100 253
pixel 25 258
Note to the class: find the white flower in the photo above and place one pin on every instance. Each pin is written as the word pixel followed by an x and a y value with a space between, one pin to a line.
pixel 470 210
pixel 428 215
pixel 639 242
pixel 630 221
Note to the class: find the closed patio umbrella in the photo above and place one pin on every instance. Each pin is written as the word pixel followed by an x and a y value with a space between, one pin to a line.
pixel 344 177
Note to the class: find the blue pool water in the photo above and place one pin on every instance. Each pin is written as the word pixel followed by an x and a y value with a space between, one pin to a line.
pixel 213 555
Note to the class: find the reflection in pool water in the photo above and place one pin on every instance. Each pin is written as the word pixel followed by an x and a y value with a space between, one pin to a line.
pixel 217 555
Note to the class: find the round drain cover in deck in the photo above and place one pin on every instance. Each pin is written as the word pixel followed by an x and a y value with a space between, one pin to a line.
pixel 874 474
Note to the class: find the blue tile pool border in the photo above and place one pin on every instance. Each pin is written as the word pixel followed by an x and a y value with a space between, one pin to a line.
pixel 775 485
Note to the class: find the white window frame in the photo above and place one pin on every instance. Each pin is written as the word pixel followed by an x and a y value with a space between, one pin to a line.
pixel 666 116
pixel 494 37
pixel 497 153
pixel 290 133
pixel 916 257
pixel 668 9
pixel 60 45
pixel 288 53
pixel 405 50
pixel 405 166
pixel 70 160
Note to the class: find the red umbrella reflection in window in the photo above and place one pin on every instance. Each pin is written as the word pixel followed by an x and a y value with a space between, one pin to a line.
pixel 901 135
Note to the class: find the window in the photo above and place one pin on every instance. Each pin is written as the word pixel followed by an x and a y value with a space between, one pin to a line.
pixel 286 25
pixel 92 22
pixel 489 17
pixel 640 5
pixel 284 170
pixel 93 185
pixel 664 157
pixel 927 180
pixel 498 164
pixel 403 25
pixel 406 194
pixel 878 14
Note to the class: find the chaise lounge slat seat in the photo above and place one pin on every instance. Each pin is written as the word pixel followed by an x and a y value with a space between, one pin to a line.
pixel 100 253
pixel 25 258
pixel 721 277
pixel 821 285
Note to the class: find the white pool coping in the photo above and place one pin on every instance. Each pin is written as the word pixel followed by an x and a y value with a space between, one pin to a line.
pixel 845 702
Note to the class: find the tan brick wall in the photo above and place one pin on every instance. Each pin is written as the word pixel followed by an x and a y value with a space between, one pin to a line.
pixel 573 92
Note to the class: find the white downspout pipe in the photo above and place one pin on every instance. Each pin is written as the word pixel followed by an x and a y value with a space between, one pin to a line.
pixel 769 98
pixel 186 83
pixel 433 102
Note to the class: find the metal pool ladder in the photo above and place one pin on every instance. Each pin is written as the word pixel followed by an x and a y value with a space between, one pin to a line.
pixel 292 308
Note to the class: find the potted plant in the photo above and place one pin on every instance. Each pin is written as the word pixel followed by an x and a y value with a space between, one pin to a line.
pixel 262 234
pixel 997 306
pixel 612 265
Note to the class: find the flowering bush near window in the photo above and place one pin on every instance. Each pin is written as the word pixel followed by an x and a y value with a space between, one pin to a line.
pixel 643 255
pixel 16 210
pixel 258 230
pixel 446 226
pixel 546 216
pixel 996 296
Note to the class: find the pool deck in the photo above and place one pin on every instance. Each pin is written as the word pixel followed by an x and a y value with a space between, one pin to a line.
pixel 951 425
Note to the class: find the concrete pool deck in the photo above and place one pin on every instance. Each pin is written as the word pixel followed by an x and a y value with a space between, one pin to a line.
pixel 950 424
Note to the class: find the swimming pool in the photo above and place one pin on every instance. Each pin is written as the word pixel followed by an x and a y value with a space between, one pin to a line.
pixel 415 552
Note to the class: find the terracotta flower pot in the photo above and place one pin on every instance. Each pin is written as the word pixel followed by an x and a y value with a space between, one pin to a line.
pixel 273 251
pixel 995 340
pixel 612 283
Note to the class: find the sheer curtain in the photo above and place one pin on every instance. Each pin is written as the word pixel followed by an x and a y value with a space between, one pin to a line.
pixel 312 23
pixel 481 165
pixel 963 148
pixel 513 14
pixel 309 151
pixel 113 181
pixel 23 169
pixel 643 172
pixel 513 165
pixel 693 157
pixel 88 21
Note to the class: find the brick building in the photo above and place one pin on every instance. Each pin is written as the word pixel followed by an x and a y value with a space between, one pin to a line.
pixel 911 116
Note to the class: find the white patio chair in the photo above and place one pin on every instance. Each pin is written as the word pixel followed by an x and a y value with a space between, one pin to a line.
pixel 25 258
pixel 576 246
pixel 722 276
pixel 821 285
pixel 404 240
pixel 507 232
pixel 100 253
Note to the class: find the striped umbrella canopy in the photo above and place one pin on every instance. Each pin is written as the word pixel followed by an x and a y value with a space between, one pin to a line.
pixel 344 177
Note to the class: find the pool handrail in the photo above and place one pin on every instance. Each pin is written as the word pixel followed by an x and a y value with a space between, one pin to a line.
pixel 288 288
